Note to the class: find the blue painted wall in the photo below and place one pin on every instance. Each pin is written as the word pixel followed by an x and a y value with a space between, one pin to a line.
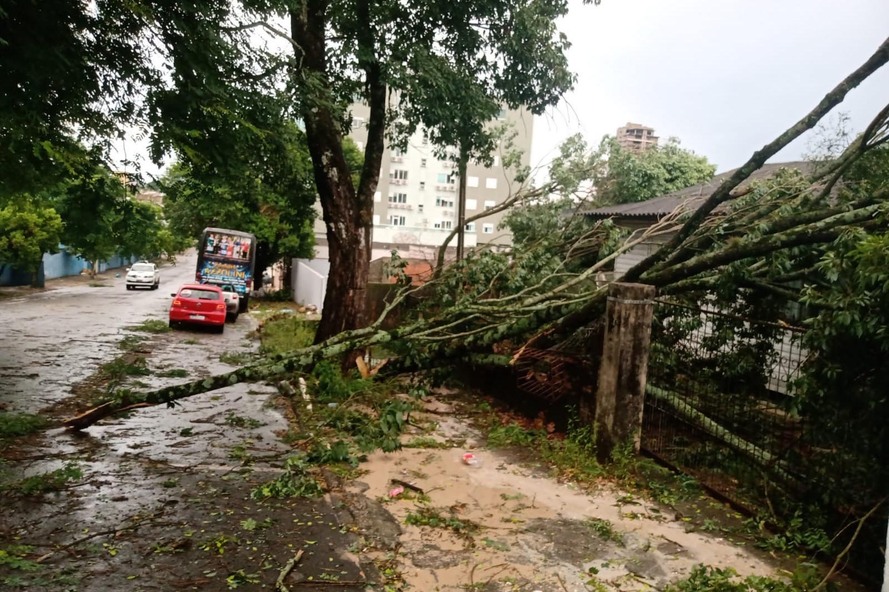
pixel 61 264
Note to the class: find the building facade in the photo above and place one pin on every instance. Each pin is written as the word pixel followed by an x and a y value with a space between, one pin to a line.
pixel 636 137
pixel 416 202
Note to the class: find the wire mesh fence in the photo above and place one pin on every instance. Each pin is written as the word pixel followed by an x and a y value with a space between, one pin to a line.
pixel 726 403
pixel 719 401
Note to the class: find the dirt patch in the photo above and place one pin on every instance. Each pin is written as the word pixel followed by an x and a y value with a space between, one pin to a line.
pixel 533 533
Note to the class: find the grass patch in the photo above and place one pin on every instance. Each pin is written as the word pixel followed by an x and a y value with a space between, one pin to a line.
pixel 15 425
pixel 427 442
pixel 151 326
pixel 705 578
pixel 511 434
pixel 239 421
pixel 286 332
pixel 47 482
pixel 174 373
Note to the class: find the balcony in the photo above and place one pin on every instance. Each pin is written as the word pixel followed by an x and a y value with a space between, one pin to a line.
pixel 446 187
pixel 398 181
pixel 401 206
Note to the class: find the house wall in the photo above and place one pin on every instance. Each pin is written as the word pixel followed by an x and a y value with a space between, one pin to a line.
pixel 630 258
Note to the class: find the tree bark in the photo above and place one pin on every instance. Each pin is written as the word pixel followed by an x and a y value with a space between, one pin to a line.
pixel 347 211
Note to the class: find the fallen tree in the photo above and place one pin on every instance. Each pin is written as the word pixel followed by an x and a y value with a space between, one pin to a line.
pixel 703 242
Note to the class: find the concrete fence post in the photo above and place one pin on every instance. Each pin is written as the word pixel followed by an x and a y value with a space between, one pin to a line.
pixel 624 367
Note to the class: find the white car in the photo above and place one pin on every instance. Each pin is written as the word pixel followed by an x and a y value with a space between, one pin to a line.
pixel 143 274
pixel 232 302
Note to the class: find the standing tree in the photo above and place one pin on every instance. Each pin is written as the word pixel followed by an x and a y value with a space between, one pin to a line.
pixel 439 61
pixel 28 229
pixel 625 176
pixel 69 76
pixel 93 206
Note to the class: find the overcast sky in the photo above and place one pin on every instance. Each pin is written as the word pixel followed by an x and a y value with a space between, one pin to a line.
pixel 723 76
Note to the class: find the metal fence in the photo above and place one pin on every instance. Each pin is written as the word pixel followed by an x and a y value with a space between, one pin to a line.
pixel 719 401
pixel 721 406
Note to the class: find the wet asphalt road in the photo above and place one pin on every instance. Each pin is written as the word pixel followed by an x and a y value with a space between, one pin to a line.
pixel 52 339
pixel 157 477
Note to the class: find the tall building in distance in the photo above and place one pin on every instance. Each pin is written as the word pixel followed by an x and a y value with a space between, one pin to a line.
pixel 416 203
pixel 636 137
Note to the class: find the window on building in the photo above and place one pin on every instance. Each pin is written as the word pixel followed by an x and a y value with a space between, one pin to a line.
pixel 397 152
pixel 472 181
pixel 436 225
pixel 400 174
pixel 420 208
pixel 444 203
pixel 496 161
pixel 490 183
pixel 447 224
pixel 396 220
pixel 399 198
pixel 444 178
pixel 488 228
pixel 471 204
pixel 422 185
pixel 470 227
pixel 489 203
pixel 423 163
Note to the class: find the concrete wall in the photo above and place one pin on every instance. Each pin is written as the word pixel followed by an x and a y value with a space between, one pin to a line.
pixel 57 265
pixel 310 281
pixel 63 264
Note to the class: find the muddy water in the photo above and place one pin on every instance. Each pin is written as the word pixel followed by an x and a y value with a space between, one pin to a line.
pixel 163 500
pixel 534 533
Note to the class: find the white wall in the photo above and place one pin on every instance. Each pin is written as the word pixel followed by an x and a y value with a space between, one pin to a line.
pixel 310 281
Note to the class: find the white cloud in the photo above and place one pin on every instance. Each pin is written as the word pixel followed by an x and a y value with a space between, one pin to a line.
pixel 725 76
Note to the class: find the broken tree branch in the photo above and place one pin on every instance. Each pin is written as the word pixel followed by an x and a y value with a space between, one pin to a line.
pixel 669 252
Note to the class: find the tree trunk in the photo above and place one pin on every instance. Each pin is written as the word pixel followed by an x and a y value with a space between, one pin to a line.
pixel 347 212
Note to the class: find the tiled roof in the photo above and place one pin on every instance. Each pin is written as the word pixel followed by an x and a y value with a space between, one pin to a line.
pixel 692 197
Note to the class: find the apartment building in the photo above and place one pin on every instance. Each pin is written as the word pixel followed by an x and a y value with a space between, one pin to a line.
pixel 416 202
pixel 636 137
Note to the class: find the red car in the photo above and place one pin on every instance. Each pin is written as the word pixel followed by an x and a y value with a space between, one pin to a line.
pixel 198 304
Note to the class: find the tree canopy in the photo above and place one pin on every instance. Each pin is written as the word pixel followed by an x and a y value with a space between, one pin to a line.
pixel 627 176
pixel 28 229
